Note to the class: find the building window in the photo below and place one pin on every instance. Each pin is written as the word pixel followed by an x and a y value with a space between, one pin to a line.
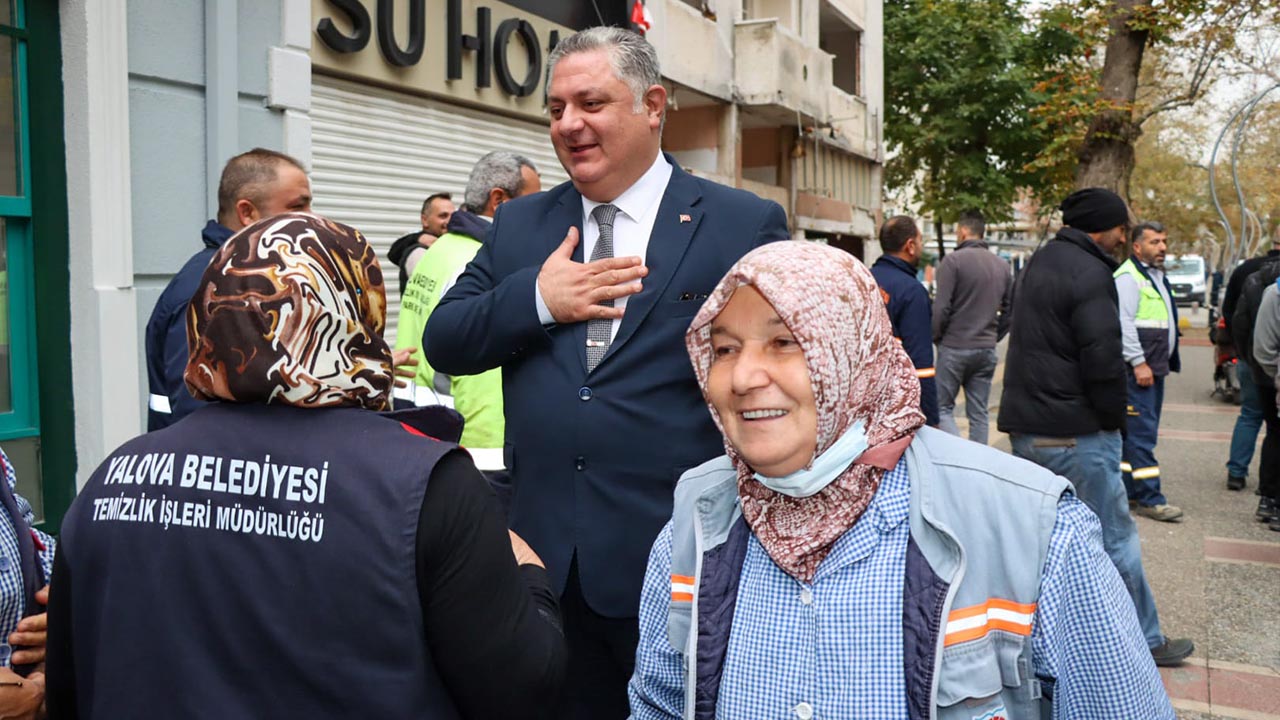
pixel 19 416
pixel 839 37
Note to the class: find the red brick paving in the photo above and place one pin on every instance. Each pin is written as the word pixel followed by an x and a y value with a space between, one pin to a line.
pixel 1253 552
pixel 1186 682
pixel 1235 691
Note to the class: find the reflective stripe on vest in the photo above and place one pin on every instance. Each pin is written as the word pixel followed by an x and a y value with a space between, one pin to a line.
pixel 487 458
pixel 977 621
pixel 422 396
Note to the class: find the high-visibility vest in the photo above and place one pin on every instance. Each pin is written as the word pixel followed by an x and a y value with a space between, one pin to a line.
pixel 477 397
pixel 1151 320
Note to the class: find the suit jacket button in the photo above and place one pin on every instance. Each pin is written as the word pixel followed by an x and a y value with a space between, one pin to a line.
pixel 580 463
pixel 584 394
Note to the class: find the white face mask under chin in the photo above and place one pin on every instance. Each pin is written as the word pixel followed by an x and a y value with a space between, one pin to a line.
pixel 824 469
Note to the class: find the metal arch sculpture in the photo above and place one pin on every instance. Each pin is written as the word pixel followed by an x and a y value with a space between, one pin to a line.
pixel 1235 250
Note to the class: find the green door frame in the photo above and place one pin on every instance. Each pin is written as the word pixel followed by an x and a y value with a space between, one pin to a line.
pixel 51 277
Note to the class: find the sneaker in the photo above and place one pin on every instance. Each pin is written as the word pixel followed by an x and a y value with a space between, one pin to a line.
pixel 1266 509
pixel 1163 513
pixel 1172 652
pixel 1235 483
pixel 1274 524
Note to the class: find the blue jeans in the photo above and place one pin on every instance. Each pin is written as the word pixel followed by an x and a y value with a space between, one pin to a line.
pixel 1092 464
pixel 972 369
pixel 1244 438
pixel 1141 471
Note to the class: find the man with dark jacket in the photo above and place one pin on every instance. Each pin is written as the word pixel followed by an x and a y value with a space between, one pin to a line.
pixel 908 304
pixel 1244 436
pixel 970 315
pixel 254 185
pixel 1243 322
pixel 1065 390
pixel 408 249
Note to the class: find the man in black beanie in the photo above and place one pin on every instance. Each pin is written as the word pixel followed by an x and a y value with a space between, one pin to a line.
pixel 1065 388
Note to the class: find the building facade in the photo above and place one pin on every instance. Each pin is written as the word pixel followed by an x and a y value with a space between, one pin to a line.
pixel 124 112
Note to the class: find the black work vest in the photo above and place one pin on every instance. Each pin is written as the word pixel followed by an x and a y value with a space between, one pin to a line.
pixel 254 561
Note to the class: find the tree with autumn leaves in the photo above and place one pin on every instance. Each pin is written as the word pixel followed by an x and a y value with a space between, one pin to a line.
pixel 989 98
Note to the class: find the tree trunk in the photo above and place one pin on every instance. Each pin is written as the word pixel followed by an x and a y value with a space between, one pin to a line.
pixel 937 231
pixel 1106 158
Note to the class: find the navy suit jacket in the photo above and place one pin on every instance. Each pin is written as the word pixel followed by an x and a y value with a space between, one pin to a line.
pixel 594 458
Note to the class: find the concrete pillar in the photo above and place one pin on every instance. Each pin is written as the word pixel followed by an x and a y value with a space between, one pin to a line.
pixel 104 337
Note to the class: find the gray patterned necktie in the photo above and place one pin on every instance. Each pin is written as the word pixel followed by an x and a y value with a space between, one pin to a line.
pixel 599 330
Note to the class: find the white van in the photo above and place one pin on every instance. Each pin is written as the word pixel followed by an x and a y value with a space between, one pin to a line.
pixel 1187 278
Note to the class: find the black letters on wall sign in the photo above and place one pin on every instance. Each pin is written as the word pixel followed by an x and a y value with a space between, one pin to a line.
pixel 479 43
pixel 361 28
pixel 502 44
pixel 387 33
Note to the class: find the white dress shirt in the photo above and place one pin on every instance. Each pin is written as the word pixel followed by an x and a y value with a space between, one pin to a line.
pixel 637 211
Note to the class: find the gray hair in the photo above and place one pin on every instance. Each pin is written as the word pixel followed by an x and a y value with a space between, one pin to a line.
pixel 635 62
pixel 1141 228
pixel 498 169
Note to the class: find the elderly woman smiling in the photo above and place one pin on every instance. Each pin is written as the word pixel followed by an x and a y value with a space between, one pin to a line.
pixel 842 561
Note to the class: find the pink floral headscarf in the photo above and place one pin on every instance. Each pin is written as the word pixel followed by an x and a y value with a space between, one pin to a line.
pixel 831 304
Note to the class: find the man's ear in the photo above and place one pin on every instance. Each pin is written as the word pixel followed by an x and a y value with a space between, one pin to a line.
pixel 246 212
pixel 655 104
pixel 497 196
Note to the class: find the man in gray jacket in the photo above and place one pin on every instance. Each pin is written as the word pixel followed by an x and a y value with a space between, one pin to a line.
pixel 970 315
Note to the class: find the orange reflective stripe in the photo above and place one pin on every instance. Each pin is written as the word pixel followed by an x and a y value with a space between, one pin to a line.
pixel 998 603
pixel 682 588
pixel 965 636
pixel 926 372
pixel 975 621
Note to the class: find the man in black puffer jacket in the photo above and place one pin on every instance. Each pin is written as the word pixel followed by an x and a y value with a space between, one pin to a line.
pixel 1242 323
pixel 1065 386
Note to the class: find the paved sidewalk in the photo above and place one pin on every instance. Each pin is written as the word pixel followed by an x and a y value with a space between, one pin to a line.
pixel 1216 576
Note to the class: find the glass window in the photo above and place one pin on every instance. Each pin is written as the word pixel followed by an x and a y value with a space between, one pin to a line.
pixel 1188 266
pixel 24 453
pixel 10 137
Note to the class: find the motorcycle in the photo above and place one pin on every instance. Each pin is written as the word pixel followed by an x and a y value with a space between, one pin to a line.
pixel 1226 365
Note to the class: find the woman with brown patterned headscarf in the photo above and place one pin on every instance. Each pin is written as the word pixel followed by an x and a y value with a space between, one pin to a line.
pixel 360 561
pixel 292 313
pixel 843 561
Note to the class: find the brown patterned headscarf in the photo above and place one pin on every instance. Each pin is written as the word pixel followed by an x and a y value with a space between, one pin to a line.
pixel 291 310
pixel 858 370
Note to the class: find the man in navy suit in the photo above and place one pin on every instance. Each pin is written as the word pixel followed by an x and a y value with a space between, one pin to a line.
pixel 582 295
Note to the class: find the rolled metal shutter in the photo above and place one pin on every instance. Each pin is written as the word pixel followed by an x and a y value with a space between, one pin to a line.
pixel 377 154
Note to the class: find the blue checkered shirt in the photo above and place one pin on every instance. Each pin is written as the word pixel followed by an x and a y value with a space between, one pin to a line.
pixel 12 600
pixel 835 645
